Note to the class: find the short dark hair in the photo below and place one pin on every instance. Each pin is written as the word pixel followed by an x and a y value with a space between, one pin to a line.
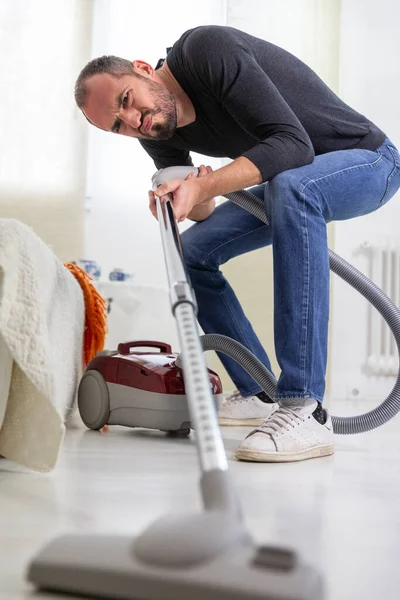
pixel 113 65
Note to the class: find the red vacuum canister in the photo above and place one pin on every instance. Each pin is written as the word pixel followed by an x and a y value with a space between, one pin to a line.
pixel 138 389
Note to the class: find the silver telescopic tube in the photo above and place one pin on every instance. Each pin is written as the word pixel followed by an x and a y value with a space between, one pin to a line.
pixel 211 451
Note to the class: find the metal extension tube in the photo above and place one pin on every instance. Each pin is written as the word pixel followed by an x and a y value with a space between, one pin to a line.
pixel 201 406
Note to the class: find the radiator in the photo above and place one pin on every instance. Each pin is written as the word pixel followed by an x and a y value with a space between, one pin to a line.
pixel 384 271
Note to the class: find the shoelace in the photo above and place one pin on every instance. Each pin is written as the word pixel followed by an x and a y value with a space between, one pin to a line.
pixel 281 418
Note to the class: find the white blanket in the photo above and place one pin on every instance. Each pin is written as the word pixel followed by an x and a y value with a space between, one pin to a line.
pixel 42 318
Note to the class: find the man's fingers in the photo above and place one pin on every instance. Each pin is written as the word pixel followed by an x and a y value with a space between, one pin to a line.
pixel 152 205
pixel 203 170
pixel 168 187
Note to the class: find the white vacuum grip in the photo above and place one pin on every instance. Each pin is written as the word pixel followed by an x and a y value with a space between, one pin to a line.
pixel 169 173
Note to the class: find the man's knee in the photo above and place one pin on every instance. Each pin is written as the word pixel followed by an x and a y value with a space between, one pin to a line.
pixel 193 249
pixel 288 191
pixel 285 183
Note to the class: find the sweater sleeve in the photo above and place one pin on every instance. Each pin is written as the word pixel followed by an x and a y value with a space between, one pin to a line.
pixel 166 156
pixel 234 77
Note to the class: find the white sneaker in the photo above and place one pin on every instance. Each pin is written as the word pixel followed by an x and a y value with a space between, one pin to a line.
pixel 239 410
pixel 291 433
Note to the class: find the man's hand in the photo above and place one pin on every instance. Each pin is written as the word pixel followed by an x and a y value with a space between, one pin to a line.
pixel 185 194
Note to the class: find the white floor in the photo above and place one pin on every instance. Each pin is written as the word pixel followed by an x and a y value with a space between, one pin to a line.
pixel 342 513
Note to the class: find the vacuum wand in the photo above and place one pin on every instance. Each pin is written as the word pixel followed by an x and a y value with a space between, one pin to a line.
pixel 202 411
pixel 216 489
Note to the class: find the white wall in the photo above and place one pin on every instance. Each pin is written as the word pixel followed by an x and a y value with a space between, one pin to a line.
pixel 43 159
pixel 306 28
pixel 370 82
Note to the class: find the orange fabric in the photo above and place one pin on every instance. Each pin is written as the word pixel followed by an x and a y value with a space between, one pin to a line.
pixel 95 314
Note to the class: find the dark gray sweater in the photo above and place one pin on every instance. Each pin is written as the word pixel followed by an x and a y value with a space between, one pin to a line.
pixel 256 100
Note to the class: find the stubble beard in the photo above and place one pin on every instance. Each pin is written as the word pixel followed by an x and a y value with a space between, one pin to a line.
pixel 165 105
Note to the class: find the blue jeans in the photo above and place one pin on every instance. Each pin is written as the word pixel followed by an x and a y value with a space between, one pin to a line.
pixel 299 202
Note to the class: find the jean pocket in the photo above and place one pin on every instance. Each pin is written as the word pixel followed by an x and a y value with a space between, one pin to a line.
pixel 393 180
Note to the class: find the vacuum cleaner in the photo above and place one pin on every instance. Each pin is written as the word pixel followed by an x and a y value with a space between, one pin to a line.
pixel 208 555
pixel 139 389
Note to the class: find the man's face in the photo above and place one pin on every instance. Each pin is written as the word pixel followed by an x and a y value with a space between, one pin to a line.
pixel 132 105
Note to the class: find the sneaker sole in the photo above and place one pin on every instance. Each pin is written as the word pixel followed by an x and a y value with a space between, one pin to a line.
pixel 254 456
pixel 241 422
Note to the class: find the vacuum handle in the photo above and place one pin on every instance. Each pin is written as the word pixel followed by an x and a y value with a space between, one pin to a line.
pixel 125 347
pixel 169 173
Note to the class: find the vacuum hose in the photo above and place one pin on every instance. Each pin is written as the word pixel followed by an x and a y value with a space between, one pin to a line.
pixel 341 425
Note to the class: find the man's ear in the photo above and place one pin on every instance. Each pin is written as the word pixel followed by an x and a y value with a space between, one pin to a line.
pixel 143 68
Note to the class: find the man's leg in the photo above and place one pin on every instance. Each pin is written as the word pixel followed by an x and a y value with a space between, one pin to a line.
pixel 299 203
pixel 230 231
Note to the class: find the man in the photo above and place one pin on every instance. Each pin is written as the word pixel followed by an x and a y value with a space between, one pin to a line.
pixel 311 158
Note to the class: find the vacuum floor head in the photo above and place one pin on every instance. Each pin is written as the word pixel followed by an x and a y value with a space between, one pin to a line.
pixel 219 564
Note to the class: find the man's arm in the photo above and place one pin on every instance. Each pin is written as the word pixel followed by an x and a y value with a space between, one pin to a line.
pixel 202 211
pixel 188 193
pixel 227 70
pixel 239 174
